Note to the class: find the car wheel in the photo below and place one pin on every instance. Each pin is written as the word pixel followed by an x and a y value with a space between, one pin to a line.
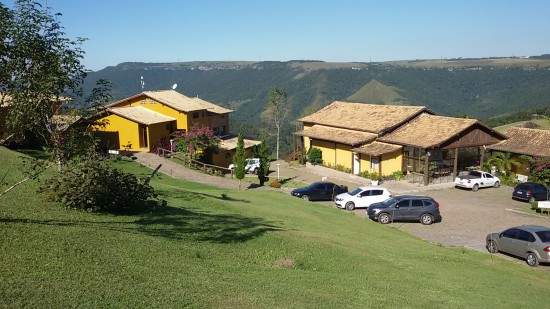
pixel 384 218
pixel 531 200
pixel 305 197
pixel 426 219
pixel 492 247
pixel 496 185
pixel 475 187
pixel 350 206
pixel 532 259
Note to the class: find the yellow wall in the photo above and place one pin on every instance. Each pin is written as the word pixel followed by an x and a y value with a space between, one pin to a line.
pixel 128 131
pixel 391 162
pixel 306 139
pixel 157 132
pixel 365 163
pixel 225 158
pixel 344 156
pixel 524 168
pixel 327 149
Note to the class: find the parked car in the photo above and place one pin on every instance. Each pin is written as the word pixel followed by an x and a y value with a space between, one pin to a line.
pixel 531 192
pixel 405 208
pixel 477 179
pixel 318 191
pixel 361 197
pixel 530 242
pixel 252 165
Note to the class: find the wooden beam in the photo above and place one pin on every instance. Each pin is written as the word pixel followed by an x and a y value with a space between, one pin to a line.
pixel 455 165
pixel 426 168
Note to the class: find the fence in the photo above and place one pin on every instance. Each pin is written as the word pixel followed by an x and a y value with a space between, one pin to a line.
pixel 205 168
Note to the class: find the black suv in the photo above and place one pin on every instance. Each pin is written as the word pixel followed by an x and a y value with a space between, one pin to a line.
pixel 405 208
pixel 530 192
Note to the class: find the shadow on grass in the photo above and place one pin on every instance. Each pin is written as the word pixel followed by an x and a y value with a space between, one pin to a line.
pixel 285 180
pixel 188 195
pixel 174 223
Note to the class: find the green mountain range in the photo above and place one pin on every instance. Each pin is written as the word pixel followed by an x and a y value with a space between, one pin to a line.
pixel 481 88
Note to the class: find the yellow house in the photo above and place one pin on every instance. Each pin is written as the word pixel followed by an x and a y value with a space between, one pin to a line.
pixel 361 137
pixel 140 121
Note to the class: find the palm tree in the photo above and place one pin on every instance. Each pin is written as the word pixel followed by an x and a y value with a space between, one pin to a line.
pixel 503 161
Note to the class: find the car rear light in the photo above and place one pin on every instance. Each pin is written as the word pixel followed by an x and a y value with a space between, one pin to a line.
pixel 436 205
pixel 528 193
pixel 547 249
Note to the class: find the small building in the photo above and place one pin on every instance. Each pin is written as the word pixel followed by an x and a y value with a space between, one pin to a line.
pixel 522 142
pixel 139 122
pixel 388 138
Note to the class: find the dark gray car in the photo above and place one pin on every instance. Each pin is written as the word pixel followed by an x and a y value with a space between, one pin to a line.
pixel 530 242
pixel 405 208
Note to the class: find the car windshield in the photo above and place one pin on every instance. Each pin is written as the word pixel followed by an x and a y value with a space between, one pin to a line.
pixel 355 192
pixel 544 235
pixel 389 202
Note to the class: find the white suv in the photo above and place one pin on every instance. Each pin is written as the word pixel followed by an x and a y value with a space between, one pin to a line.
pixel 252 165
pixel 362 197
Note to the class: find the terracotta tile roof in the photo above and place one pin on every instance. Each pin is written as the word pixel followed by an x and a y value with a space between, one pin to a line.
pixel 178 101
pixel 140 114
pixel 377 148
pixel 533 142
pixel 373 118
pixel 231 143
pixel 344 136
pixel 428 131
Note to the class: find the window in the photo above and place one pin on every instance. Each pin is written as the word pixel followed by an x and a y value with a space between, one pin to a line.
pixel 404 203
pixel 376 192
pixel 196 115
pixel 365 193
pixel 152 102
pixel 512 233
pixel 544 236
pixel 374 164
pixel 144 101
pixel 417 203
pixel 203 114
pixel 526 236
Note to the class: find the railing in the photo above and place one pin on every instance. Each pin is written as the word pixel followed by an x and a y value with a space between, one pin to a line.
pixel 205 168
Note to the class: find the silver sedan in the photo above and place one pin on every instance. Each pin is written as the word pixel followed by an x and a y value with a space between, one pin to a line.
pixel 530 242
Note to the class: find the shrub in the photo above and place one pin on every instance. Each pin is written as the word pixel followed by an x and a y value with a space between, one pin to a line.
pixel 275 183
pixel 375 176
pixel 341 168
pixel 398 175
pixel 315 156
pixel 94 185
pixel 364 174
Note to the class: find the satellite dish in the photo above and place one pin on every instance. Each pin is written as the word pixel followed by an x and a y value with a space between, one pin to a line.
pixel 174 86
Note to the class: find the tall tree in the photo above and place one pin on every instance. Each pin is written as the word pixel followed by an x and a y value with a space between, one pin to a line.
pixel 39 65
pixel 263 153
pixel 239 159
pixel 277 111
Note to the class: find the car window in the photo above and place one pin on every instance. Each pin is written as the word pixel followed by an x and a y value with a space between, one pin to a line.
pixel 540 188
pixel 355 192
pixel 365 193
pixel 488 176
pixel 404 203
pixel 511 233
pixel 526 236
pixel 427 202
pixel 389 201
pixel 475 174
pixel 544 235
pixel 376 192
pixel 416 203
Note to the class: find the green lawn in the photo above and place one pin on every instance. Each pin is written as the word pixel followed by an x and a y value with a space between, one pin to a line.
pixel 544 124
pixel 257 248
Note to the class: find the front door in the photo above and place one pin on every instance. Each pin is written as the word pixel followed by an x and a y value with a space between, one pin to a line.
pixel 143 136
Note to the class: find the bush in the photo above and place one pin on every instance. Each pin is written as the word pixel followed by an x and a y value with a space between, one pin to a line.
pixel 275 183
pixel 96 186
pixel 375 176
pixel 364 174
pixel 341 168
pixel 398 175
pixel 315 156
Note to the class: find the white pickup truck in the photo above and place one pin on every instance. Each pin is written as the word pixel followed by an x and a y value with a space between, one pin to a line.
pixel 477 179
pixel 251 166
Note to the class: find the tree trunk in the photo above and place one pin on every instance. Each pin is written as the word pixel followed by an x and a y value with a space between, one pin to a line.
pixel 278 134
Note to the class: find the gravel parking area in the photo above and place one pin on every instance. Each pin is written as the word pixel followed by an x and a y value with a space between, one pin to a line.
pixel 469 216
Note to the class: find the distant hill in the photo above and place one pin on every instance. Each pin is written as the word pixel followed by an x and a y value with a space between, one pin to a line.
pixel 542 124
pixel 481 88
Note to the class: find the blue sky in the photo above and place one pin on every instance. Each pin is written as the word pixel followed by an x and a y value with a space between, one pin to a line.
pixel 340 30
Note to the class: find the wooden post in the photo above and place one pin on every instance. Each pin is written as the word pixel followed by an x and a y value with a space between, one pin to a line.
pixel 426 168
pixel 455 164
pixel 482 148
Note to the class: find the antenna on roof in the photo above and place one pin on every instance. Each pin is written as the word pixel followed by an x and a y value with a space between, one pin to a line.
pixel 174 86
pixel 142 84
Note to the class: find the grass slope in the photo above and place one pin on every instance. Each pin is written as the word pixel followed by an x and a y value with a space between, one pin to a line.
pixel 376 92
pixel 256 249
pixel 544 124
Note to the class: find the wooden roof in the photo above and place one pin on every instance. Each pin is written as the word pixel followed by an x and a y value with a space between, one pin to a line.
pixel 533 142
pixel 140 114
pixel 377 148
pixel 427 131
pixel 177 101
pixel 343 136
pixel 372 118
pixel 231 143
